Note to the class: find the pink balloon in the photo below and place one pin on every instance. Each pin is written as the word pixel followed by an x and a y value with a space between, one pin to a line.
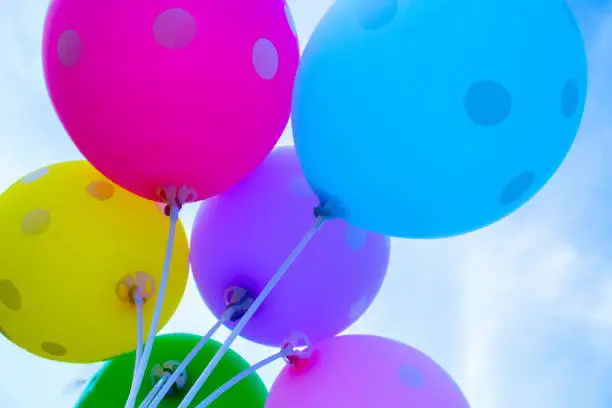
pixel 168 93
pixel 360 371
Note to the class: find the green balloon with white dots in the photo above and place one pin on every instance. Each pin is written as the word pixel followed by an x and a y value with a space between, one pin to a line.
pixel 110 387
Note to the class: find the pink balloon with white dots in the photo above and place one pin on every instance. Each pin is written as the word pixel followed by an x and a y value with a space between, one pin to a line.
pixel 171 93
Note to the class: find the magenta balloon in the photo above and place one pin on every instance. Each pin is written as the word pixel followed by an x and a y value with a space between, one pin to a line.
pixel 360 371
pixel 241 238
pixel 166 93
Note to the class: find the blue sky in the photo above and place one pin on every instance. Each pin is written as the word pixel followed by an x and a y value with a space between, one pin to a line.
pixel 519 313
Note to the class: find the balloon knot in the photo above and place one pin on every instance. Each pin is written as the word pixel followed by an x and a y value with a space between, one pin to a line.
pixel 176 198
pixel 135 294
pixel 135 286
pixel 237 302
pixel 329 206
pixel 296 347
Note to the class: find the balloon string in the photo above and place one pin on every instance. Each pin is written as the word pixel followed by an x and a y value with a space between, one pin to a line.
pixel 249 313
pixel 154 391
pixel 138 301
pixel 176 374
pixel 239 377
pixel 137 380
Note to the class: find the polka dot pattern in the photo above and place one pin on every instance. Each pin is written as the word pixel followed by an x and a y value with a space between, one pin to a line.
pixel 100 190
pixel 35 222
pixel 356 238
pixel 265 58
pixel 36 175
pixel 516 188
pixel 375 14
pixel 358 309
pixel 487 103
pixel 174 28
pixel 569 98
pixel 9 295
pixel 54 349
pixel 290 19
pixel 299 186
pixel 411 376
pixel 69 48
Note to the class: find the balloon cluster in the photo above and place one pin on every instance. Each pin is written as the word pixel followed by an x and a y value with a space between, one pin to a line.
pixel 411 119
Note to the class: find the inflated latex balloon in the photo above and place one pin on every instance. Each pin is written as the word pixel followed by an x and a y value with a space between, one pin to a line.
pixel 360 371
pixel 73 248
pixel 172 93
pixel 433 118
pixel 111 386
pixel 242 237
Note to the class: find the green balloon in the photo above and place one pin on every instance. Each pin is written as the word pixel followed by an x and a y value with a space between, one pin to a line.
pixel 110 387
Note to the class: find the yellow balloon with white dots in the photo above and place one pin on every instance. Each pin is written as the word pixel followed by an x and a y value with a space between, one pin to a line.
pixel 73 246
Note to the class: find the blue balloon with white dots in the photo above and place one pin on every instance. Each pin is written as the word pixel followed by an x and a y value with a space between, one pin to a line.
pixel 433 118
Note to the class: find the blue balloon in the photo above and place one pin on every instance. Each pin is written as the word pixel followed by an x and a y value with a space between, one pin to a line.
pixel 433 118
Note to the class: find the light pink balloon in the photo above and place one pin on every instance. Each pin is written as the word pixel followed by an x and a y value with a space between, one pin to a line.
pixel 171 92
pixel 360 371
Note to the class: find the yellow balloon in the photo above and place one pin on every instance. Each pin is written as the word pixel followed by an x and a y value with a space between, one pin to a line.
pixel 72 247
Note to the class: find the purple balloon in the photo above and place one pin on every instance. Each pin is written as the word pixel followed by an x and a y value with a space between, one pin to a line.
pixel 360 371
pixel 242 237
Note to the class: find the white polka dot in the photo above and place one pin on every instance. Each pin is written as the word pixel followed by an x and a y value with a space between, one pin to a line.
pixel 300 187
pixel 290 19
pixel 36 222
pixel 356 238
pixel 358 309
pixel 411 376
pixel 265 58
pixel 35 175
pixel 100 189
pixel 69 48
pixel 174 28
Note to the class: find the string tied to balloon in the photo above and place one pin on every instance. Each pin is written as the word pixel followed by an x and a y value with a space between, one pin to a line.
pixel 237 301
pixel 329 206
pixel 174 198
pixel 164 371
pixel 128 286
pixel 136 290
pixel 135 295
pixel 158 385
pixel 295 348
pixel 280 272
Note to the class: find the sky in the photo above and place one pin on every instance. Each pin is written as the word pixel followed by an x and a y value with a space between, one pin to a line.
pixel 519 313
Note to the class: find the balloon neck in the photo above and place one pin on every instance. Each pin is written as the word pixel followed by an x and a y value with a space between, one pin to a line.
pixel 139 286
pixel 164 371
pixel 135 295
pixel 237 302
pixel 296 347
pixel 174 198
pixel 329 207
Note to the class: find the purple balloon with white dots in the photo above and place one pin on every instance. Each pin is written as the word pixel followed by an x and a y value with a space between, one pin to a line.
pixel 363 371
pixel 242 237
